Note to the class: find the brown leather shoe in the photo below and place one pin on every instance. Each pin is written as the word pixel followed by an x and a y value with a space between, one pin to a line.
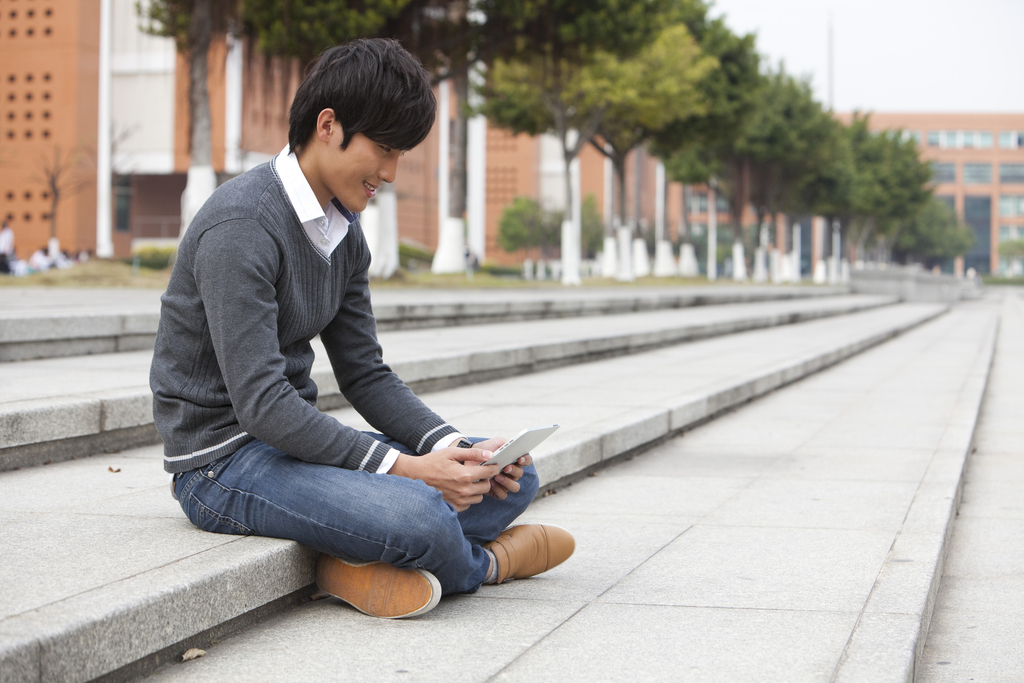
pixel 377 588
pixel 529 549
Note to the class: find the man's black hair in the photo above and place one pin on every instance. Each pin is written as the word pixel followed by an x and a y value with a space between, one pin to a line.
pixel 374 86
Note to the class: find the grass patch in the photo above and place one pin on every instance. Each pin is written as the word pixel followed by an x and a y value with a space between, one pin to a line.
pixel 95 272
pixel 996 280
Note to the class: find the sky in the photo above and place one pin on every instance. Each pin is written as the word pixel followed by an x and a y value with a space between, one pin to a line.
pixel 895 55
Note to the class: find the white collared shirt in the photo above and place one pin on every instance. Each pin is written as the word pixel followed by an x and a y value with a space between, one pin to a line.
pixel 325 228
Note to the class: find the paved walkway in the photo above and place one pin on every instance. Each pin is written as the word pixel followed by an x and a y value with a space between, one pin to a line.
pixel 977 631
pixel 795 539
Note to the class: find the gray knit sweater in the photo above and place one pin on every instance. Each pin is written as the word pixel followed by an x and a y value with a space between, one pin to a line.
pixel 232 359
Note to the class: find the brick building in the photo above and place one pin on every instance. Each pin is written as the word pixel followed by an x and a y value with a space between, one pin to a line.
pixel 978 166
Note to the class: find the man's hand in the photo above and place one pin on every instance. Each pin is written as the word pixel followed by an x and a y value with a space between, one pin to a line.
pixel 508 481
pixel 460 484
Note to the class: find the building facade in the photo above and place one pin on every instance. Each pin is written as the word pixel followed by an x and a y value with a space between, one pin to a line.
pixel 48 64
pixel 978 168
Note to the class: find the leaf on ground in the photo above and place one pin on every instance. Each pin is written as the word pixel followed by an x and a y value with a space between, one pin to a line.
pixel 192 653
pixel 111 469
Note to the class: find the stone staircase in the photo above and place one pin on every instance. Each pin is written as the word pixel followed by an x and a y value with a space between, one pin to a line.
pixel 104 577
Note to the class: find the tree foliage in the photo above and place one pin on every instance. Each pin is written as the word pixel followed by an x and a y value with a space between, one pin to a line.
pixel 525 225
pixel 934 233
pixel 890 185
pixel 647 93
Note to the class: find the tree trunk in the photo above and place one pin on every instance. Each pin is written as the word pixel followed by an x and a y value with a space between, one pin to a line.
pixel 637 188
pixel 199 30
pixel 619 162
pixel 457 193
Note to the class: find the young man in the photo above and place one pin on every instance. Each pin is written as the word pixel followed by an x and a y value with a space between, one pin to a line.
pixel 275 257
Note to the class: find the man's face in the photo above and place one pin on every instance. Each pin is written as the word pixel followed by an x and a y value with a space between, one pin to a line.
pixel 356 173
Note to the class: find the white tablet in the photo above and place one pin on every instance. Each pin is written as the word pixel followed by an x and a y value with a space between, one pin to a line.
pixel 520 444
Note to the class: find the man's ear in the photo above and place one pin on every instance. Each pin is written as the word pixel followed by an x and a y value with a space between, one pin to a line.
pixel 327 125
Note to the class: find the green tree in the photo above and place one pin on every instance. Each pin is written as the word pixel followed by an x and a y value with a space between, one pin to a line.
pixel 933 234
pixel 890 186
pixel 541 78
pixel 1011 249
pixel 646 94
pixel 193 23
pixel 698 147
pixel 524 225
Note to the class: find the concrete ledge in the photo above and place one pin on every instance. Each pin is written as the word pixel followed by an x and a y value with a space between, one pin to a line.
pixel 124 623
pixel 33 432
pixel 889 638
pixel 420 315
pixel 26 336
pixel 912 283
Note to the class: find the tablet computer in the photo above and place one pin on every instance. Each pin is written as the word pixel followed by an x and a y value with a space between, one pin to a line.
pixel 520 444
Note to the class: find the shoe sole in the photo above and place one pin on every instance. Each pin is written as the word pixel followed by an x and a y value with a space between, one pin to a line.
pixel 377 588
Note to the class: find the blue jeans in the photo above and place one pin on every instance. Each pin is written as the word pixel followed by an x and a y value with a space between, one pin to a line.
pixel 358 515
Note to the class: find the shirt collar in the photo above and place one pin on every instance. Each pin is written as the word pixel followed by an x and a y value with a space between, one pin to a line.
pixel 300 194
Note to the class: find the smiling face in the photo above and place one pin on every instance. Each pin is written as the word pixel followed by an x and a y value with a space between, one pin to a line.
pixel 353 174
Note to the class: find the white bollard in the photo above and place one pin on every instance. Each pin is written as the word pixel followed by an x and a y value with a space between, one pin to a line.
pixel 664 260
pixel 739 262
pixel 760 265
pixel 641 261
pixel 774 270
pixel 625 270
pixel 820 276
pixel 609 264
pixel 688 261
pixel 450 256
pixel 528 269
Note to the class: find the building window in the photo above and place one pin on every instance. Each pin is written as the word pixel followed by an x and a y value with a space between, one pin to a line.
pixel 985 139
pixel 698 202
pixel 1008 233
pixel 122 203
pixel 949 139
pixel 1011 139
pixel 1011 205
pixel 943 172
pixel 914 135
pixel 977 174
pixel 933 138
pixel 1011 173
pixel 721 204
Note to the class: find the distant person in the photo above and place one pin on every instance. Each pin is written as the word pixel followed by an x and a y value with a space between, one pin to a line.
pixel 39 262
pixel 6 247
pixel 274 258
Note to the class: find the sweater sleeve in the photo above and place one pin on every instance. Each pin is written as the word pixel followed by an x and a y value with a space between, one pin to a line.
pixel 369 384
pixel 235 267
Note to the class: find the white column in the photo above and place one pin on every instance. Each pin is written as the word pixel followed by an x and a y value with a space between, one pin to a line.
pixel 572 230
pixel 834 276
pixel 450 256
pixel 608 260
pixel 476 174
pixel 233 106
pixel 104 240
pixel 712 232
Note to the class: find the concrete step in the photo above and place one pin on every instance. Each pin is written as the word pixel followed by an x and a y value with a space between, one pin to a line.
pixel 61 408
pixel 50 323
pixel 796 539
pixel 107 577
